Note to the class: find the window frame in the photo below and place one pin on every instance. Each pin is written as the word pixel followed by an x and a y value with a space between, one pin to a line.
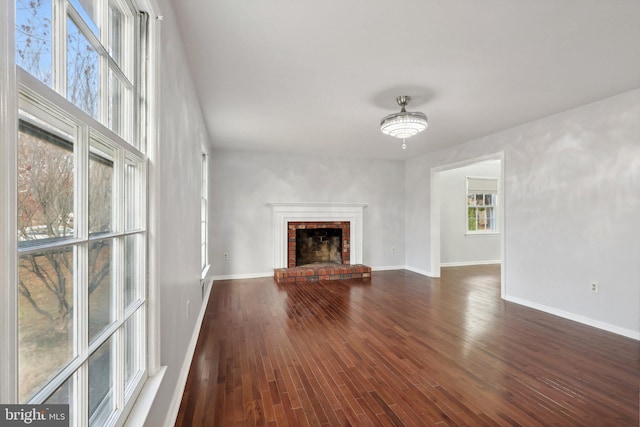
pixel 37 99
pixel 8 211
pixel 125 71
pixel 495 206
pixel 13 81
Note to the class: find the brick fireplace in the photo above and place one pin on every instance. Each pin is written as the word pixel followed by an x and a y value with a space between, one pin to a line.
pixel 289 218
pixel 298 232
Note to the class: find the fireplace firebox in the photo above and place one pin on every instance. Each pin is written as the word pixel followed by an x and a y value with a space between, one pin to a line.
pixel 318 245
pixel 318 242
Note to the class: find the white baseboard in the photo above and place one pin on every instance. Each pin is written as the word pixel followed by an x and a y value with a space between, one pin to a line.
pixel 243 276
pixel 463 263
pixel 577 318
pixel 172 413
pixel 388 267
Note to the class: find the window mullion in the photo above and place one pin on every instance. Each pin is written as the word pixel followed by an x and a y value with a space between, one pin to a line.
pixel 93 40
pixel 59 48
pixel 104 95
pixel 115 68
pixel 82 183
pixel 81 396
pixel 118 371
pixel 62 107
pixel 82 277
pixel 142 336
pixel 142 80
pixel 142 191
pixel 105 30
pixel 118 200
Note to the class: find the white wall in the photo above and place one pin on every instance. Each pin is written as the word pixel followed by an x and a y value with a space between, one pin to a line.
pixel 176 168
pixel 244 182
pixel 456 247
pixel 572 202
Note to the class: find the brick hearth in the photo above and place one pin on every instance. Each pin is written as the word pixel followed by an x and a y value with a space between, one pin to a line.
pixel 315 272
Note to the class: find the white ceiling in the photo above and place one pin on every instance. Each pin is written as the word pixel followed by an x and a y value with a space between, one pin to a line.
pixel 316 77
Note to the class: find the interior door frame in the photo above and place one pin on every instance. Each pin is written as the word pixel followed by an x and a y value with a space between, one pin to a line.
pixel 435 213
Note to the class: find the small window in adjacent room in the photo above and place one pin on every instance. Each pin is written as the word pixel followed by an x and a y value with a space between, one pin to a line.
pixel 482 205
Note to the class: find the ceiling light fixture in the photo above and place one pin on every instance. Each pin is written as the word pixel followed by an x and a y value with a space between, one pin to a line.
pixel 404 124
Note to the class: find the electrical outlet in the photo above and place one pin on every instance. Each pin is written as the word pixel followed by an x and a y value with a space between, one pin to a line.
pixel 188 308
pixel 226 256
pixel 595 287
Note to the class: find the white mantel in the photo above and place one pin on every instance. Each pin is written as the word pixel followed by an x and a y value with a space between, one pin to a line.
pixel 283 213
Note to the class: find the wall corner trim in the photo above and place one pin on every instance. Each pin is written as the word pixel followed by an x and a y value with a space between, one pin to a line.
pixel 419 271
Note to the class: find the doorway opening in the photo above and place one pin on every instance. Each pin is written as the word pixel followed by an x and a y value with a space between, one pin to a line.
pixel 455 237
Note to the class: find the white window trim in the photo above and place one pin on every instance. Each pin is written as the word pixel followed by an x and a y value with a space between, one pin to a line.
pixel 8 212
pixel 142 405
pixel 153 180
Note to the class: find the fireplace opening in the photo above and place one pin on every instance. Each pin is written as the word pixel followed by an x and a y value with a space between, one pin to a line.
pixel 318 245
pixel 339 229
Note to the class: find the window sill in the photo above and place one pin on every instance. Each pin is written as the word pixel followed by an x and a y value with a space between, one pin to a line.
pixel 487 233
pixel 207 272
pixel 141 408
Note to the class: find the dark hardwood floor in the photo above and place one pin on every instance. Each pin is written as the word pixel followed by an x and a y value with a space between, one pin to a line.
pixel 402 349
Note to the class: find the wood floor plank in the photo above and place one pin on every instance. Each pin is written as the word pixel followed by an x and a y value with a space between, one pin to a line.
pixel 402 350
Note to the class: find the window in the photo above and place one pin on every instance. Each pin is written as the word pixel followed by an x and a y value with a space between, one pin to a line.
pixel 482 201
pixel 81 207
pixel 92 64
pixel 204 212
